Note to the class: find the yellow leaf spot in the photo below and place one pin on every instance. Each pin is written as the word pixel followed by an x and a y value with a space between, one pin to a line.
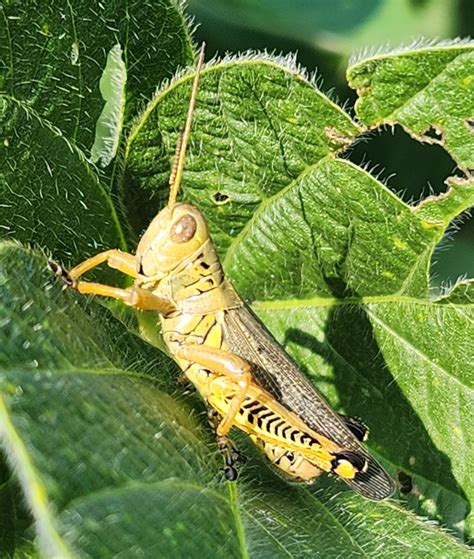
pixel 456 432
pixel 430 224
pixel 387 274
pixel 292 119
pixel 399 243
pixel 39 494
pixel 466 82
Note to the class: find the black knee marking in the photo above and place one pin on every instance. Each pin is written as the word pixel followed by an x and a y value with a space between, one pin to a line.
pixel 230 473
pixel 60 272
pixel 356 427
pixel 359 463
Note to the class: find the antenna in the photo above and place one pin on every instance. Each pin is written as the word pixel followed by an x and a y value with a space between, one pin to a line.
pixel 183 139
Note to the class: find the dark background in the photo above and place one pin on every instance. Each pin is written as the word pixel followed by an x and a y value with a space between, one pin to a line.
pixel 324 35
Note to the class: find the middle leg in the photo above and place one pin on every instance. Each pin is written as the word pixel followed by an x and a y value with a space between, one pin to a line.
pixel 223 363
pixel 226 447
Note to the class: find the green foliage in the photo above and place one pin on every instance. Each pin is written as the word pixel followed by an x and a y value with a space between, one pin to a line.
pixel 429 92
pixel 51 102
pixel 111 455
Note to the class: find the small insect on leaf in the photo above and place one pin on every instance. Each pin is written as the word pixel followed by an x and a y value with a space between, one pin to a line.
pixel 243 374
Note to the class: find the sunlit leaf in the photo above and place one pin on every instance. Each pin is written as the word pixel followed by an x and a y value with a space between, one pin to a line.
pixel 112 455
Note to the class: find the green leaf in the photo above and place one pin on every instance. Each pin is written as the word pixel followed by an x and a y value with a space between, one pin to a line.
pixel 109 124
pixel 241 154
pixel 133 470
pixel 53 58
pixel 56 186
pixel 112 457
pixel 429 91
pixel 299 239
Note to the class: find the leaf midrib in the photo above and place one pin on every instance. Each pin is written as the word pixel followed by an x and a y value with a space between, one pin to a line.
pixel 405 342
pixel 317 302
pixel 34 488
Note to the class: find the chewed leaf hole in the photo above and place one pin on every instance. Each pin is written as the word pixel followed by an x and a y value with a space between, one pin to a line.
pixel 433 134
pixel 220 198
pixel 405 482
pixel 470 123
pixel 416 169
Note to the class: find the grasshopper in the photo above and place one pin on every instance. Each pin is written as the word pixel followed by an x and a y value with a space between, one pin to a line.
pixel 246 378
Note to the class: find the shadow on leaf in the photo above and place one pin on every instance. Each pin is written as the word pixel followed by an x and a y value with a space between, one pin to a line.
pixel 367 390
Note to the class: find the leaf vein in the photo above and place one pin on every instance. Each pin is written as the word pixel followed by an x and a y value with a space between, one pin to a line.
pixel 418 352
pixel 264 204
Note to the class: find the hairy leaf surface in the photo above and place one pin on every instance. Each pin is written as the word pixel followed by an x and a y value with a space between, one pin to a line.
pixel 112 454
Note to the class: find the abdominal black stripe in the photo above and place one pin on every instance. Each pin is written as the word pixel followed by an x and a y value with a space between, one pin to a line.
pixel 267 417
pixel 284 431
pixel 261 419
pixel 293 435
pixel 299 436
pixel 249 403
pixel 271 421
pixel 277 425
pixel 251 418
pixel 287 431
pixel 258 410
pixel 306 439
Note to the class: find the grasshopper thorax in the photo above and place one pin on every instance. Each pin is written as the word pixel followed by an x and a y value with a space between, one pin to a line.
pixel 170 241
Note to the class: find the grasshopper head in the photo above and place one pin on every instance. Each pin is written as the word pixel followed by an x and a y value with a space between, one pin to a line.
pixel 171 238
pixel 179 230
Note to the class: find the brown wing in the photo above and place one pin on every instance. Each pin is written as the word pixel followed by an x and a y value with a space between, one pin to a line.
pixel 279 375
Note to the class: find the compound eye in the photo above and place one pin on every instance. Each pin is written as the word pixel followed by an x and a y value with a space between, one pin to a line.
pixel 184 229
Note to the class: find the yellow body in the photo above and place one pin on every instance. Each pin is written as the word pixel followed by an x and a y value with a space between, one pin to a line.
pixel 200 294
pixel 178 275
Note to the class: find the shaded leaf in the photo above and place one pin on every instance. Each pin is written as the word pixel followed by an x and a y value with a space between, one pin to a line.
pixel 15 521
pixel 132 470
